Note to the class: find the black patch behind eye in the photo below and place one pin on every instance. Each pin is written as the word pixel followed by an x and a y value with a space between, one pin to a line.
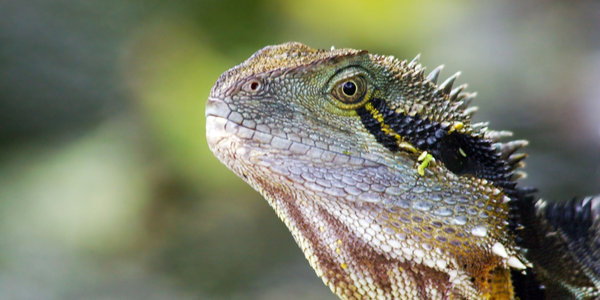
pixel 419 132
pixel 374 127
pixel 461 153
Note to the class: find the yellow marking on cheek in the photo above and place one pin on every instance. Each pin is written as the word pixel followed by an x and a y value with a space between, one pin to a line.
pixel 321 229
pixel 344 266
pixel 425 158
pixel 422 156
pixel 408 147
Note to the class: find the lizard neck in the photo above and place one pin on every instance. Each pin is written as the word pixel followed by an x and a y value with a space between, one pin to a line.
pixel 357 255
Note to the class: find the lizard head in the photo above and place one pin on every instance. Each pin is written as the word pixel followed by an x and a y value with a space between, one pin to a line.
pixel 338 139
pixel 287 91
pixel 353 103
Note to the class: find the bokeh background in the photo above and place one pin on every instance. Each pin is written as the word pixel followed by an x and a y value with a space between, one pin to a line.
pixel 109 191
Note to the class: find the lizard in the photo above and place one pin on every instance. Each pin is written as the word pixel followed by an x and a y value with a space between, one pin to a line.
pixel 388 187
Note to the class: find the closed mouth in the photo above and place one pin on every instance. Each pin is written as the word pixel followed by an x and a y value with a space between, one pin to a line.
pixel 220 125
pixel 217 108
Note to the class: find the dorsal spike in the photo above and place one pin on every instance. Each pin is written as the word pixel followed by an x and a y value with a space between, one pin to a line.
pixel 433 76
pixel 515 158
pixel 461 96
pixel 415 60
pixel 506 149
pixel 480 125
pixel 446 86
pixel 468 98
pixel 495 136
pixel 419 71
pixel 455 92
pixel 518 175
pixel 469 111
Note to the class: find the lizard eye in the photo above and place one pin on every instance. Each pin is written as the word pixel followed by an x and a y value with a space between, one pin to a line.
pixel 252 85
pixel 350 90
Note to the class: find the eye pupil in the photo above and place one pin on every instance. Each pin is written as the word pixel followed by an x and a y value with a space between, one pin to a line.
pixel 350 91
pixel 349 88
pixel 254 85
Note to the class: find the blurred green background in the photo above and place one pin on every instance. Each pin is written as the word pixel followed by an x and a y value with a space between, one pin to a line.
pixel 109 191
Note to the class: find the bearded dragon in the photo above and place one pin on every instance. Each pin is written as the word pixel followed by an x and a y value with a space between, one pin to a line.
pixel 388 187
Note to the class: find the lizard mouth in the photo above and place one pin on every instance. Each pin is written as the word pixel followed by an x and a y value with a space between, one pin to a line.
pixel 219 128
pixel 224 124
pixel 227 130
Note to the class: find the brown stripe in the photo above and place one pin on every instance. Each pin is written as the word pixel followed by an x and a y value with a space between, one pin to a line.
pixel 309 233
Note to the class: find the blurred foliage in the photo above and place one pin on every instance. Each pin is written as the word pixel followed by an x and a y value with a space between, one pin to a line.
pixel 107 186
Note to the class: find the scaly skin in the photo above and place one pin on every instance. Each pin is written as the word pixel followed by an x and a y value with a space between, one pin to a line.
pixel 378 172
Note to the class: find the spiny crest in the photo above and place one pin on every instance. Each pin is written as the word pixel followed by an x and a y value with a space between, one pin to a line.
pixel 433 76
pixel 424 97
pixel 452 102
pixel 450 106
